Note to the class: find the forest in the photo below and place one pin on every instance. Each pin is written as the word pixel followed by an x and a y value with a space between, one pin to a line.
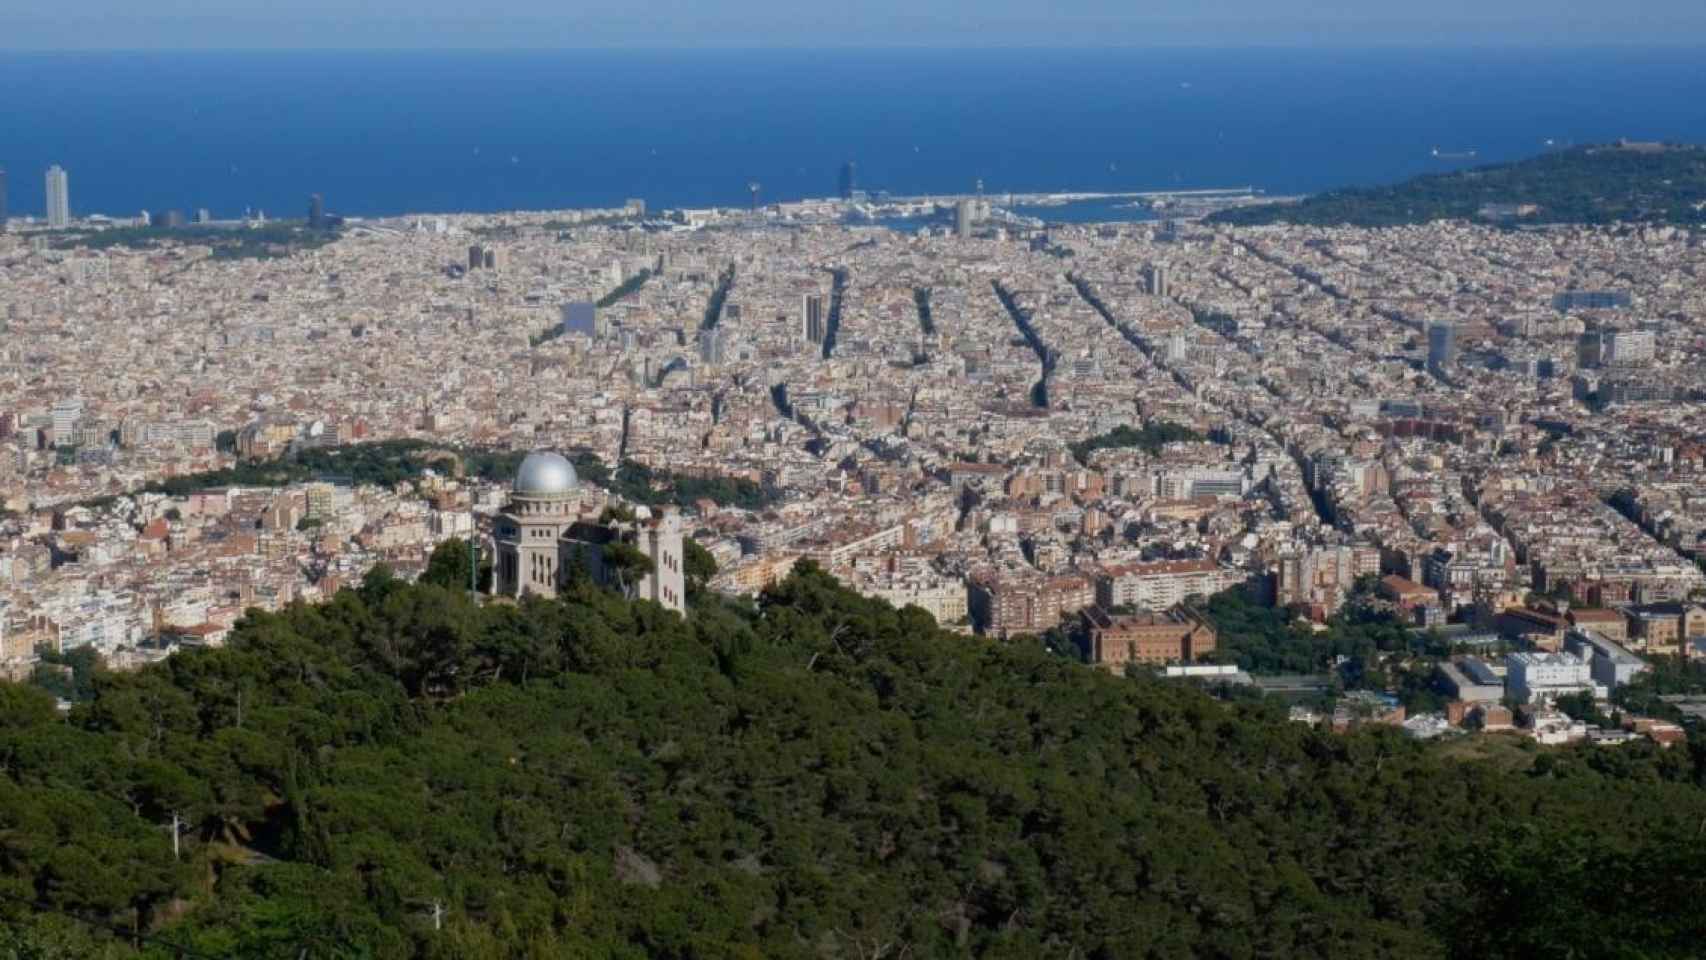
pixel 388 463
pixel 1581 185
pixel 402 772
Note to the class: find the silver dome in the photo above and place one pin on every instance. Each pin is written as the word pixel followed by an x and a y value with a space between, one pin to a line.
pixel 545 475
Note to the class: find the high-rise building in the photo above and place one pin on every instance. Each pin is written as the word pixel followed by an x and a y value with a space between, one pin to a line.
pixel 964 213
pixel 482 257
pixel 66 416
pixel 849 179
pixel 1442 346
pixel 1158 285
pixel 812 319
pixel 316 212
pixel 58 197
pixel 166 219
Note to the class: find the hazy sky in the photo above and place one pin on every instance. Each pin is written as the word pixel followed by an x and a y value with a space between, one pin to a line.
pixel 411 24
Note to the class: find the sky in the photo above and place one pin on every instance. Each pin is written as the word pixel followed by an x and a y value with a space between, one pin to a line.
pixel 570 24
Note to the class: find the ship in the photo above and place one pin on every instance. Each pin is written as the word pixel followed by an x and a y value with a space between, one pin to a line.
pixel 1455 154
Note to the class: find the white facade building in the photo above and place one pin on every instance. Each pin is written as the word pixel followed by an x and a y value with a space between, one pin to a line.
pixel 1544 677
pixel 543 540
pixel 1163 584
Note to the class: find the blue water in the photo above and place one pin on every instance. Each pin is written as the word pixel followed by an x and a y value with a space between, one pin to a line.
pixel 386 133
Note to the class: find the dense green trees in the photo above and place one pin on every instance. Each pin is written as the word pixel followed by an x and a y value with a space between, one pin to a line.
pixel 697 565
pixel 1150 438
pixel 813 775
pixel 388 463
pixel 653 487
pixel 69 675
pixel 279 238
pixel 453 564
pixel 1591 185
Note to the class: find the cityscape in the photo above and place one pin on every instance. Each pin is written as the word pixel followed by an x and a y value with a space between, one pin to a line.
pixel 1082 432
pixel 1112 570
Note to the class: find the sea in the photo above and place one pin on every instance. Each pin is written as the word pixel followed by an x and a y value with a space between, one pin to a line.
pixel 388 133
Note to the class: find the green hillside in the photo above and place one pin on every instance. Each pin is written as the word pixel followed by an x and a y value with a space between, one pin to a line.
pixel 400 773
pixel 1584 185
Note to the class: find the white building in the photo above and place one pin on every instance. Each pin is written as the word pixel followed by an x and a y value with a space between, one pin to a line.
pixel 1544 677
pixel 1164 584
pixel 1625 347
pixel 543 539
pixel 58 198
pixel 946 600
pixel 66 415
pixel 1609 663
pixel 1191 482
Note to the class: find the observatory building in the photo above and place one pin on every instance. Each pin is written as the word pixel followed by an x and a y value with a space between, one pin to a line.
pixel 543 539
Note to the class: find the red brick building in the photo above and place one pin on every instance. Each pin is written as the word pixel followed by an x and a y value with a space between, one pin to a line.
pixel 1152 639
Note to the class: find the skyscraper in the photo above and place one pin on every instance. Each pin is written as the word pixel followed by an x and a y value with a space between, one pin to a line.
pixel 849 179
pixel 964 213
pixel 316 212
pixel 1158 286
pixel 58 197
pixel 812 318
pixel 1442 346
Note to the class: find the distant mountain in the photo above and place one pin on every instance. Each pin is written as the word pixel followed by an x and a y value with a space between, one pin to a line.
pixel 1623 182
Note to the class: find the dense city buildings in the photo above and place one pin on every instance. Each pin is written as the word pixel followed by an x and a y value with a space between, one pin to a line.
pixel 1078 431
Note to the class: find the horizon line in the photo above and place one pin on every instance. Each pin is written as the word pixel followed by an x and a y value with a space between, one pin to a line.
pixel 1338 44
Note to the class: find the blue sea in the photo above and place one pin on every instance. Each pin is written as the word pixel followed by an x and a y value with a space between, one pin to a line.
pixel 389 133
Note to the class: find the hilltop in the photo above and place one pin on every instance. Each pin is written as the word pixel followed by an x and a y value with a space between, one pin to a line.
pixel 401 773
pixel 1624 182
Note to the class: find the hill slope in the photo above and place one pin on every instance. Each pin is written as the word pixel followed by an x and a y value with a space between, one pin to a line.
pixel 818 776
pixel 1585 185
